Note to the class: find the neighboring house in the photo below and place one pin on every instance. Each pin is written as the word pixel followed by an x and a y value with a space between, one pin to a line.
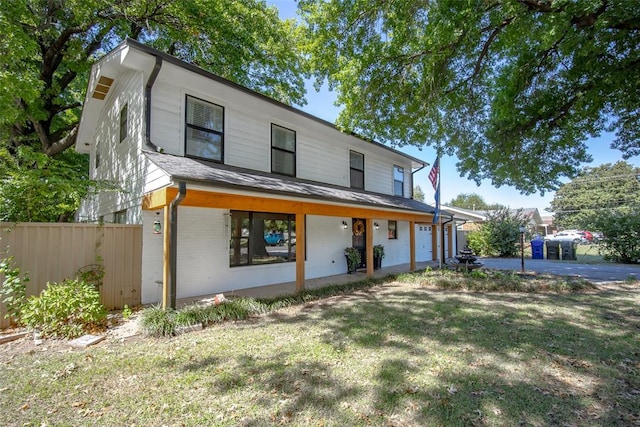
pixel 213 171
pixel 469 220
pixel 549 227
pixel 466 220
pixel 535 223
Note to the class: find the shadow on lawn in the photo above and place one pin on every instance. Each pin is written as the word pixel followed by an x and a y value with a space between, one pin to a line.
pixel 519 358
pixel 456 358
pixel 524 363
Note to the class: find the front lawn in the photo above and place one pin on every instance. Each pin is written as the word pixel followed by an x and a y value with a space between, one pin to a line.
pixel 422 349
pixel 589 254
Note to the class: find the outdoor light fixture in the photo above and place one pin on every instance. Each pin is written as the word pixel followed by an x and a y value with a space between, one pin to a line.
pixel 522 230
pixel 345 225
pixel 376 225
pixel 157 226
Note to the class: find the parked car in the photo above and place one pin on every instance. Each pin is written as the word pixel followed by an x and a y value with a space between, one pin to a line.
pixel 572 235
pixel 274 238
pixel 587 237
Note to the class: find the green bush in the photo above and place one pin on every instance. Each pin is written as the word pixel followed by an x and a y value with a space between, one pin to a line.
pixel 67 309
pixel 499 235
pixel 478 241
pixel 621 235
pixel 157 322
pixel 13 291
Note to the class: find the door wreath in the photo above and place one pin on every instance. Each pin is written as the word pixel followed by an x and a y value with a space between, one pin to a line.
pixel 358 228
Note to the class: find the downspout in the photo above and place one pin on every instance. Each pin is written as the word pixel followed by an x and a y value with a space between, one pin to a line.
pixel 147 98
pixel 173 241
pixel 412 180
pixel 463 223
pixel 442 246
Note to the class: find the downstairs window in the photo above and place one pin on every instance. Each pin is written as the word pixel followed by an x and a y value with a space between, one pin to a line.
pixel 259 238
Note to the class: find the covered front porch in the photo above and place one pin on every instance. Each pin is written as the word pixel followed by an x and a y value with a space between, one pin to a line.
pixel 289 288
pixel 226 212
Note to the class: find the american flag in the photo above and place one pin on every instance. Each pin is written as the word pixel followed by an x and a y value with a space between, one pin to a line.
pixel 433 175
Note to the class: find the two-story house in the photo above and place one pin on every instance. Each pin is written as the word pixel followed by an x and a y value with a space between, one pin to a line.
pixel 234 189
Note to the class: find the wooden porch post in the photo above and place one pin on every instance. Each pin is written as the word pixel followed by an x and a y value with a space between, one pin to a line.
pixel 412 248
pixel 166 264
pixel 369 246
pixel 451 241
pixel 300 253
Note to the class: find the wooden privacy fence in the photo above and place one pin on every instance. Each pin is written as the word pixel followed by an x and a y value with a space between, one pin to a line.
pixel 51 252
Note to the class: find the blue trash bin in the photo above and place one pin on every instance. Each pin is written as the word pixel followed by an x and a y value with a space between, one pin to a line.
pixel 537 249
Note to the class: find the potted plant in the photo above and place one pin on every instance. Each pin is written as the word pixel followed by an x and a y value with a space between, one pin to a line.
pixel 353 258
pixel 378 254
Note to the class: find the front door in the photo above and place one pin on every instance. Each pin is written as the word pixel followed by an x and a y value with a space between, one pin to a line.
pixel 359 239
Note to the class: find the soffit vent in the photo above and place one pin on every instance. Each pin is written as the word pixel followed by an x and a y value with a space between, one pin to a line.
pixel 102 88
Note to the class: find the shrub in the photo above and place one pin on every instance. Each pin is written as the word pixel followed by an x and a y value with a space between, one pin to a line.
pixel 67 309
pixel 499 235
pixel 621 236
pixel 13 291
pixel 156 321
pixel 478 241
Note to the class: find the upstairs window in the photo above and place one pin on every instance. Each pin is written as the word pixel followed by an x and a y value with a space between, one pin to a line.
pixel 124 125
pixel 120 217
pixel 204 130
pixel 283 150
pixel 398 181
pixel 356 166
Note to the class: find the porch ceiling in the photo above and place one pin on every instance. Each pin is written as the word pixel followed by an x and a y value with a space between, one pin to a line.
pixel 220 176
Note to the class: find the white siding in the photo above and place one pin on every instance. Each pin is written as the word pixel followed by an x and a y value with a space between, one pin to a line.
pixel 326 240
pixel 203 253
pixel 120 161
pixel 378 174
pixel 152 257
pixel 322 152
pixel 396 250
pixel 314 154
pixel 203 258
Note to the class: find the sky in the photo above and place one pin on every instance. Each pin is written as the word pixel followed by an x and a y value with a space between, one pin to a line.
pixel 321 104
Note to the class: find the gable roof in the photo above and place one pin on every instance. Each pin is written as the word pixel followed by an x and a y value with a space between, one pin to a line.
pixel 131 54
pixel 225 176
pixel 465 214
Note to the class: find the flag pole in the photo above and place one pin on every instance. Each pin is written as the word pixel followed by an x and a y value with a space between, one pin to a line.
pixel 434 177
pixel 441 254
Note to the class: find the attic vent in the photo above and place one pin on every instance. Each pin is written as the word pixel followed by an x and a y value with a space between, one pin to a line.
pixel 102 88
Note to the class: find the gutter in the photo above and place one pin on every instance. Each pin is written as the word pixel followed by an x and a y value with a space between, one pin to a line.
pixel 173 241
pixel 182 192
pixel 147 99
pixel 442 234
pixel 412 181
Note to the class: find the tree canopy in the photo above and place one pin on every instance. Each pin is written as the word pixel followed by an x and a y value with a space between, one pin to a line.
pixel 597 192
pixel 473 201
pixel 48 47
pixel 418 194
pixel 513 88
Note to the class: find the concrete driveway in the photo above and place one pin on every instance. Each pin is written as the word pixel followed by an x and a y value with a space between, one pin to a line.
pixel 597 273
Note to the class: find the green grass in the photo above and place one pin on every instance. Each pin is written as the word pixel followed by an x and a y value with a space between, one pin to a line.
pixel 431 348
pixel 588 254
